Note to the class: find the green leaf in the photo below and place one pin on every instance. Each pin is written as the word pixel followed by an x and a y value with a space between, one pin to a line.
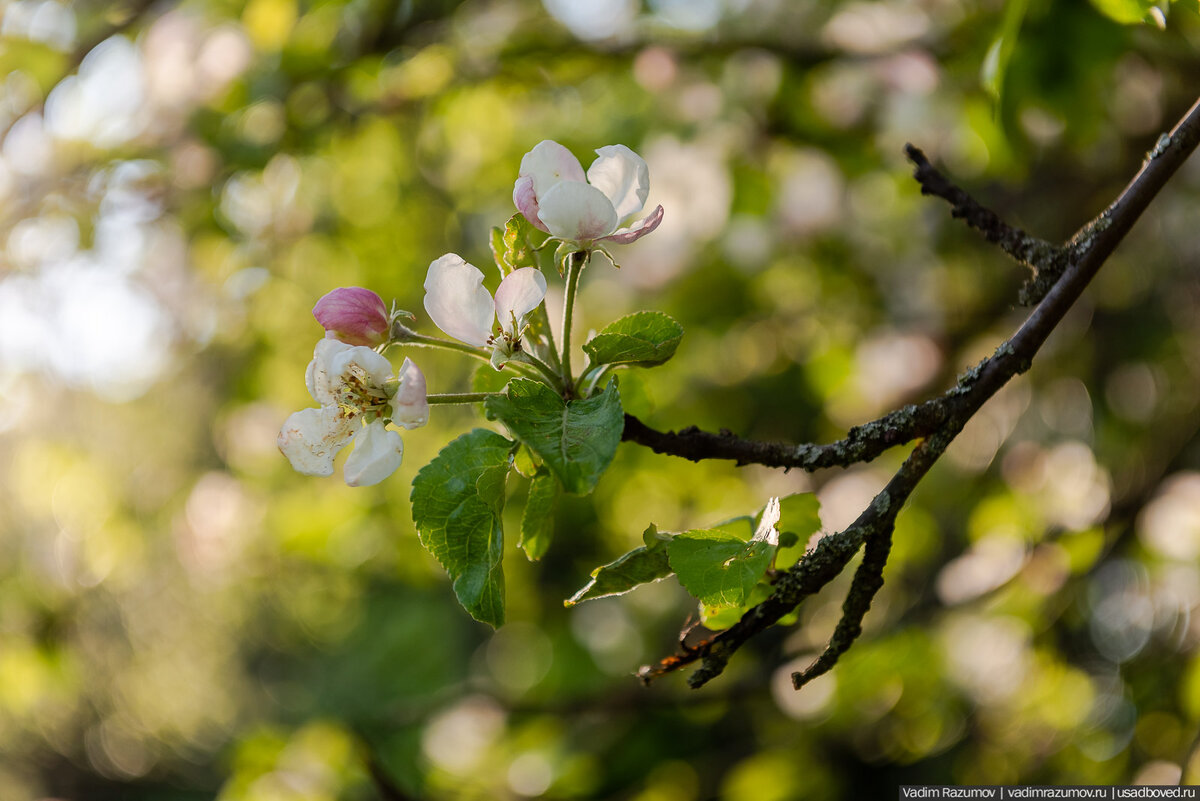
pixel 645 338
pixel 741 527
pixel 457 500
pixel 799 519
pixel 995 63
pixel 718 568
pixel 537 523
pixel 525 463
pixel 640 566
pixel 511 247
pixel 1127 12
pixel 488 379
pixel 799 514
pixel 575 439
pixel 499 251
pixel 716 618
pixel 537 336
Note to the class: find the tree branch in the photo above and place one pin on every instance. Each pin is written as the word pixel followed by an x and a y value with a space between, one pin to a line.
pixel 868 580
pixel 1089 250
pixel 861 444
pixel 1047 261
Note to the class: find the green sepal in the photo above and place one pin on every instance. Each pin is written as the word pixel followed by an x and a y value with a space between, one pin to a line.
pixel 564 251
pixel 457 505
pixel 645 338
pixel 607 254
pixel 575 439
pixel 642 565
pixel 537 522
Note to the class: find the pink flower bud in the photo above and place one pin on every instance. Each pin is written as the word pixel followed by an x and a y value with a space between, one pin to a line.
pixel 353 315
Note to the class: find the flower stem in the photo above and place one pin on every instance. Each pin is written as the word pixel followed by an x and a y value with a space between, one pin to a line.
pixel 544 325
pixel 402 335
pixel 527 358
pixel 574 268
pixel 600 372
pixel 407 336
pixel 459 397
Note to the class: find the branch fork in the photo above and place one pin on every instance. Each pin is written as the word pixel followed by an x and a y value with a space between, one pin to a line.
pixel 1060 275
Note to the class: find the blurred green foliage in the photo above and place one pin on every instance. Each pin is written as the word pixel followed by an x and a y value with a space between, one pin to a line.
pixel 183 617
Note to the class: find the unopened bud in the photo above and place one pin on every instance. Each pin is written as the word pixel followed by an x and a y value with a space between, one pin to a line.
pixel 353 315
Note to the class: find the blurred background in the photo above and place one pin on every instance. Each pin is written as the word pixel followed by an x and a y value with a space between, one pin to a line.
pixel 183 617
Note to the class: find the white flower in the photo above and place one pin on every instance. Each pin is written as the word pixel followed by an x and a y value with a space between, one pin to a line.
pixel 554 194
pixel 351 384
pixel 458 303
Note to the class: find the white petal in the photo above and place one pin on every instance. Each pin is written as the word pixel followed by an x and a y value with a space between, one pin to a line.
pixel 323 376
pixel 375 365
pixel 767 530
pixel 518 294
pixel 410 408
pixel 457 302
pixel 623 177
pixel 547 164
pixel 577 212
pixel 377 454
pixel 311 438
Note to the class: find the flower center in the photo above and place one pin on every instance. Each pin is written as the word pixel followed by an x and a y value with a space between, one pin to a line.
pixel 508 339
pixel 356 396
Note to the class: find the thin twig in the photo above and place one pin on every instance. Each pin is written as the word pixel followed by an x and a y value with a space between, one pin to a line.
pixel 1046 260
pixel 868 580
pixel 1090 249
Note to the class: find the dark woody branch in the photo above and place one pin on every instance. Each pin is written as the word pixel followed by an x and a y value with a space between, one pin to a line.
pixel 861 444
pixel 810 574
pixel 868 580
pixel 1088 251
pixel 1045 260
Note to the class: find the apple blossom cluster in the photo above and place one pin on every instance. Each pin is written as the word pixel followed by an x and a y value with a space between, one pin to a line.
pixel 351 379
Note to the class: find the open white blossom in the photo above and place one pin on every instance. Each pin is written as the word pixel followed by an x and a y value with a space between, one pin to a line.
pixel 458 303
pixel 358 397
pixel 556 196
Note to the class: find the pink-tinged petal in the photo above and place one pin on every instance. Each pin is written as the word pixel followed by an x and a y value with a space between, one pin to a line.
pixel 457 302
pixel 577 212
pixel 410 408
pixel 518 294
pixel 549 163
pixel 354 315
pixel 377 453
pixel 322 376
pixel 311 438
pixel 623 177
pixel 526 201
pixel 639 229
